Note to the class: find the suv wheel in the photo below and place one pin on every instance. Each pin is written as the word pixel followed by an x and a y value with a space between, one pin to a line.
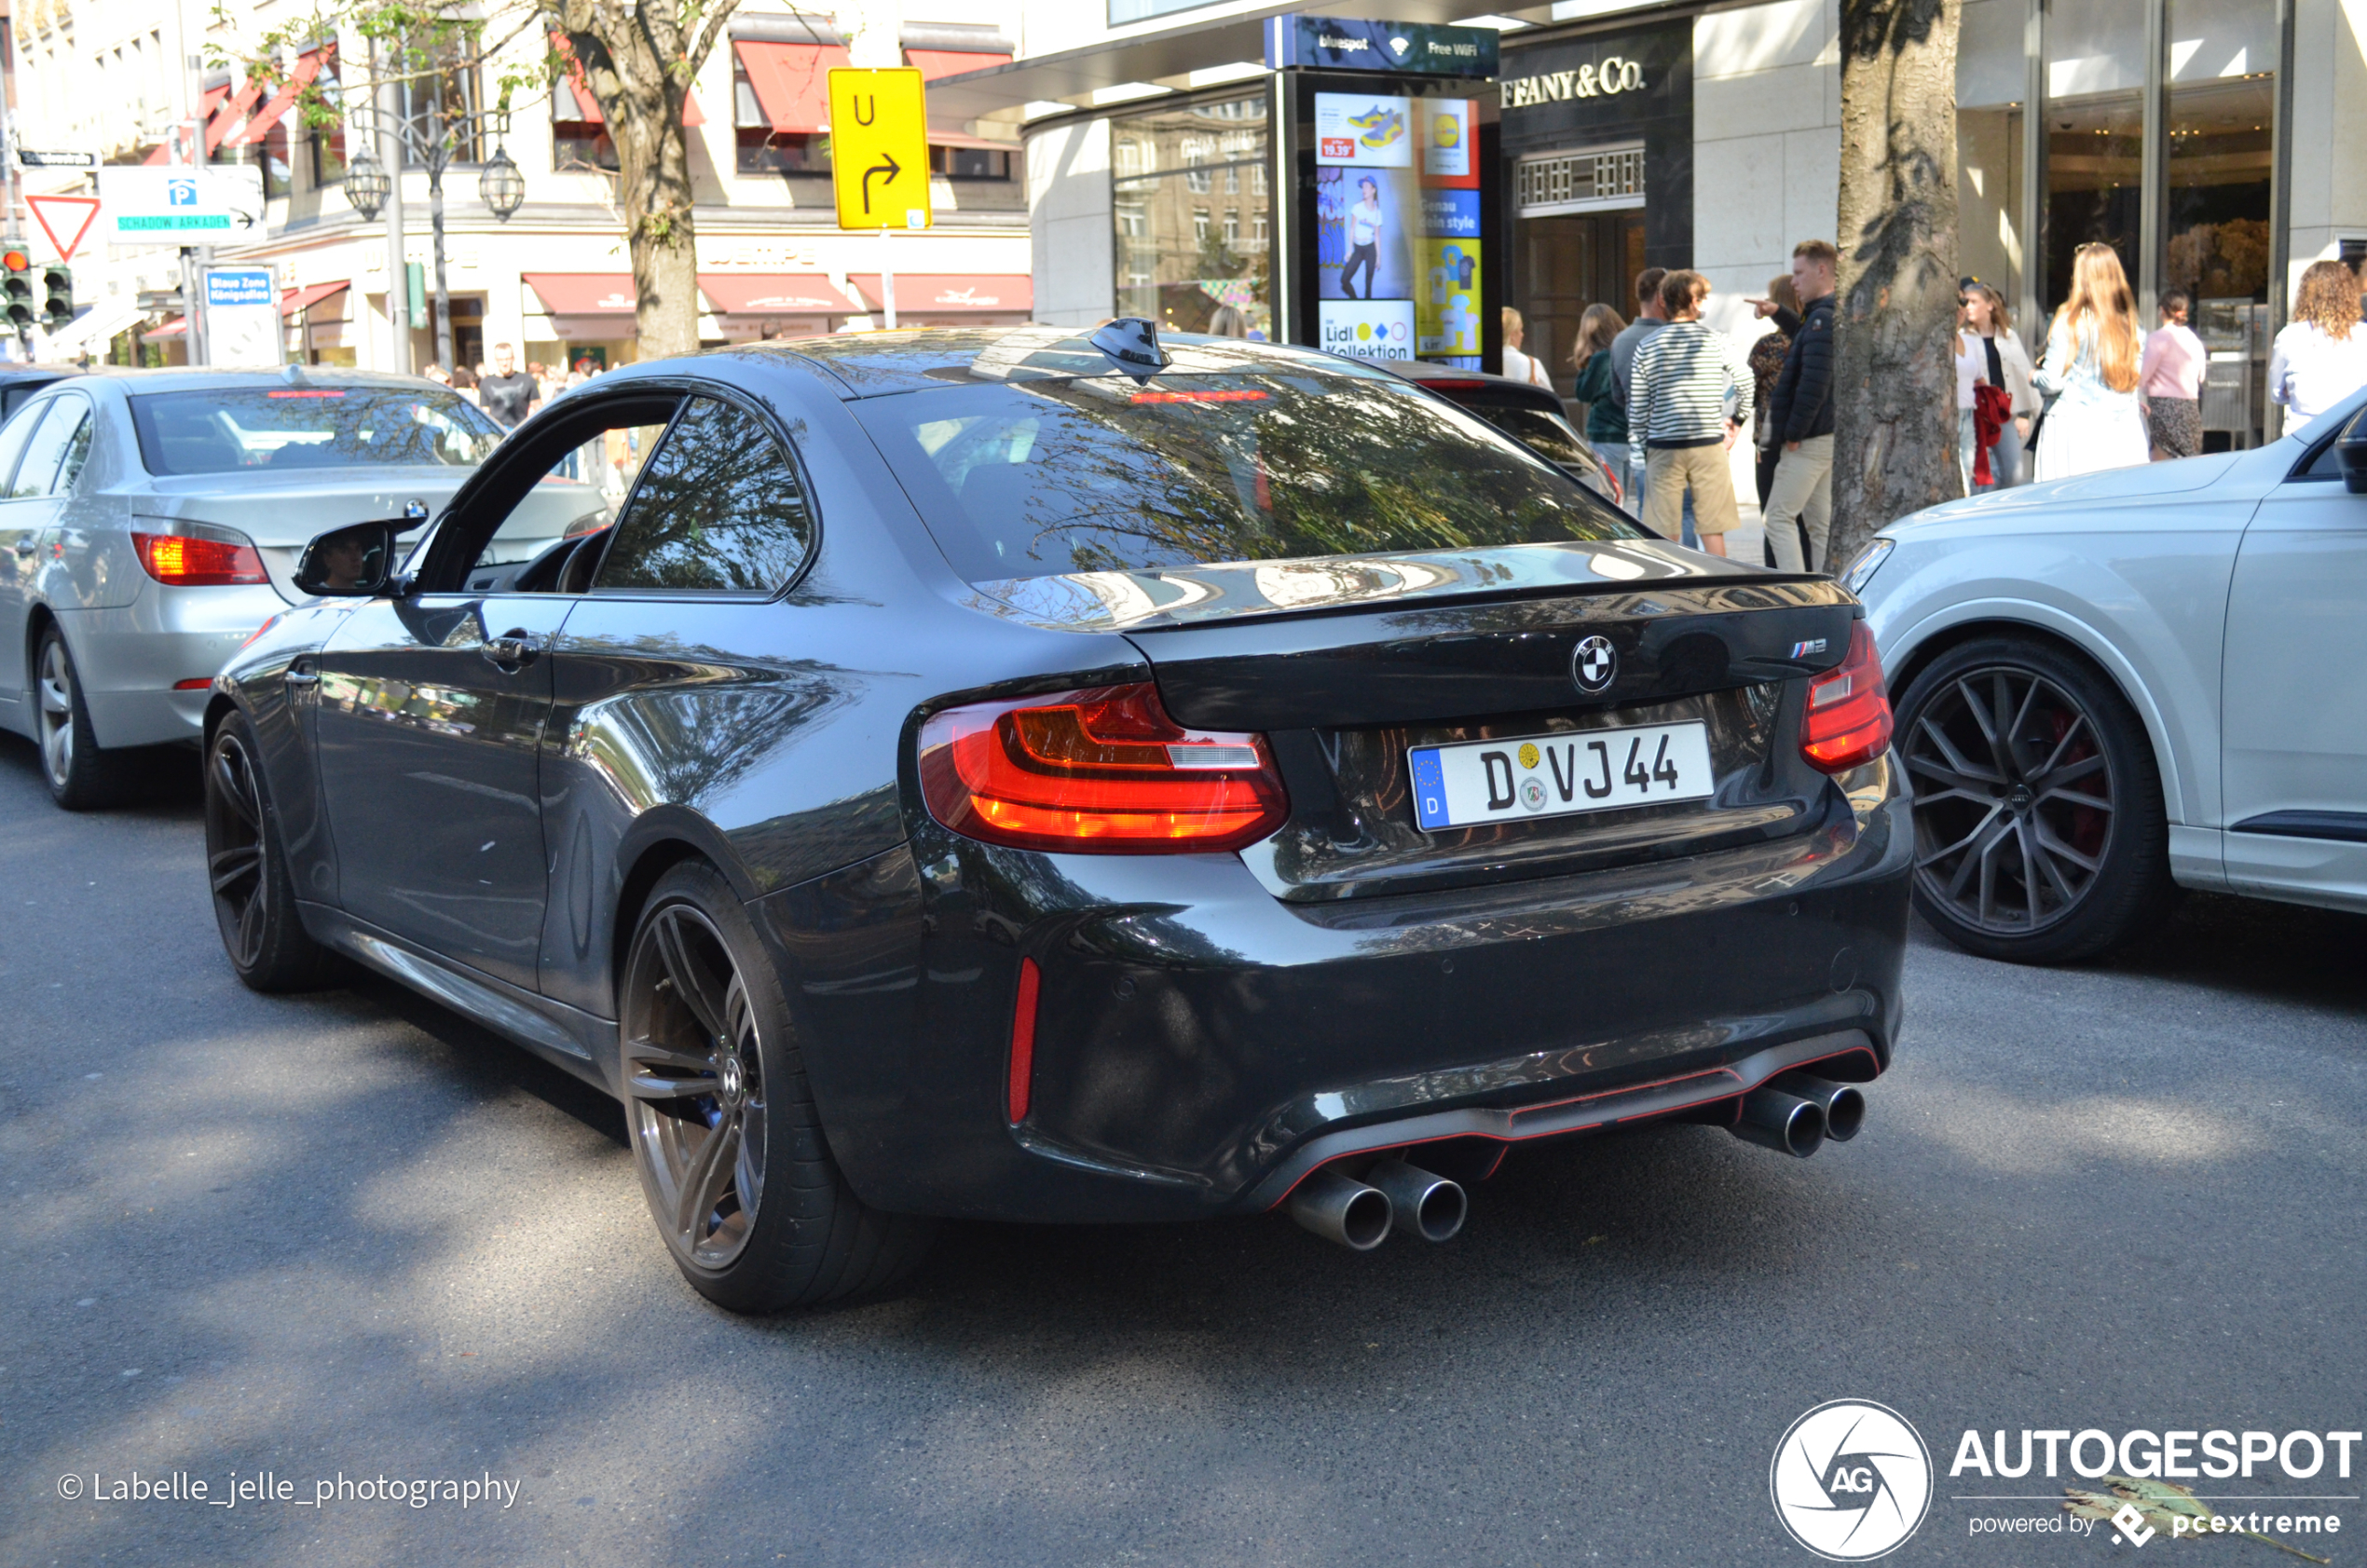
pixel 2040 835
pixel 723 1126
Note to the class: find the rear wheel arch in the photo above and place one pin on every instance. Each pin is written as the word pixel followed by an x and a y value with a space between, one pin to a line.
pixel 38 620
pixel 648 854
pixel 1901 674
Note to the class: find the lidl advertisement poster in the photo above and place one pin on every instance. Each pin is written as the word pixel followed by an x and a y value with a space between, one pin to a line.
pixel 1446 314
pixel 1448 152
pixel 1365 227
pixel 1451 215
pixel 1363 131
pixel 1368 329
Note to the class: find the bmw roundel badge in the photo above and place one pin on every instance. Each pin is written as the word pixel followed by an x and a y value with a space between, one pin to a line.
pixel 1594 664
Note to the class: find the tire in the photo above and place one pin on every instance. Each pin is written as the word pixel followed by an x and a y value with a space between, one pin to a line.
pixel 716 1103
pixel 246 868
pixel 81 777
pixel 2042 840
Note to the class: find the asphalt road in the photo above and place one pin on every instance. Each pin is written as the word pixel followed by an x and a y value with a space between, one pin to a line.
pixel 347 1234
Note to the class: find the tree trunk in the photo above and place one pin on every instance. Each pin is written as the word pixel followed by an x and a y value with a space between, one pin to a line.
pixel 1894 379
pixel 639 64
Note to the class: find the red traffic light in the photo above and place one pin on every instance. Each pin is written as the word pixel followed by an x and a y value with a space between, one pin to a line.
pixel 16 261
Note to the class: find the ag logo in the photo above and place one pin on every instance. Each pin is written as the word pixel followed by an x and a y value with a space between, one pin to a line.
pixel 1850 1480
pixel 1594 663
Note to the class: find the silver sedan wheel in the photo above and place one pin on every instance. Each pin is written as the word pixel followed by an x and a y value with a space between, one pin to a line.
pixel 57 712
pixel 694 1086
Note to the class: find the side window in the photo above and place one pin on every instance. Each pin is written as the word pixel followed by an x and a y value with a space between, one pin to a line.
pixel 719 510
pixel 13 436
pixel 2326 464
pixel 553 526
pixel 54 455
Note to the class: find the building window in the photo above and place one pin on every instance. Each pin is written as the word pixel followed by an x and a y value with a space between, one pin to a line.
pixel 326 143
pixel 582 147
pixel 767 151
pixel 437 103
pixel 1184 263
pixel 969 163
pixel 1599 179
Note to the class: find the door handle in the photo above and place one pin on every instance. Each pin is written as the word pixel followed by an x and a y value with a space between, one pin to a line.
pixel 298 675
pixel 511 650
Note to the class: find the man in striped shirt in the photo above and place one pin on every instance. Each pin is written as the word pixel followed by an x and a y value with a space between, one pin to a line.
pixel 1684 391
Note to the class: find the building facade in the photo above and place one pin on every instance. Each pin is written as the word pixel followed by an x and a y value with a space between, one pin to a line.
pixel 553 279
pixel 2214 144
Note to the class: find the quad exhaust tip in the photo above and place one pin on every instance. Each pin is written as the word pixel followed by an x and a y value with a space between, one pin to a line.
pixel 1799 1113
pixel 1360 1214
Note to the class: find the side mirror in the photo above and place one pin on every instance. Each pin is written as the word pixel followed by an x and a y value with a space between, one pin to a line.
pixel 2350 455
pixel 355 562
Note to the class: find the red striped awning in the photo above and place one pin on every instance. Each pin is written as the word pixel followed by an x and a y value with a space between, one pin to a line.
pixel 792 82
pixel 232 113
pixel 933 63
pixel 305 298
pixel 937 292
pixel 306 67
pixel 775 294
pixel 587 105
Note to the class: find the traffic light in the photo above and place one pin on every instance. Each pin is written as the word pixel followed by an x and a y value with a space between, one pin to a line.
pixel 17 311
pixel 57 296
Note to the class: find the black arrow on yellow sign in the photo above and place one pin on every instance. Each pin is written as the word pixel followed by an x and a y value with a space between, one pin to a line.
pixel 889 165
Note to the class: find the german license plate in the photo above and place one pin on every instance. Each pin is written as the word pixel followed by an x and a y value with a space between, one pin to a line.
pixel 1558 775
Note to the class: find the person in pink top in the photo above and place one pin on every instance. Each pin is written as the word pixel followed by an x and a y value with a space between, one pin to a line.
pixel 2169 378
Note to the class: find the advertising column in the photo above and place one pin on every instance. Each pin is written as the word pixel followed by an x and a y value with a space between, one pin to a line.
pixel 1385 233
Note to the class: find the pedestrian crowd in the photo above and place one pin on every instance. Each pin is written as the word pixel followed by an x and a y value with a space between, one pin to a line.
pixel 1666 394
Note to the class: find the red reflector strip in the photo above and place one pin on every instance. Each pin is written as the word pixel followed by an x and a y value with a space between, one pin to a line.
pixel 200 684
pixel 306 392
pixel 1023 1039
pixel 1240 394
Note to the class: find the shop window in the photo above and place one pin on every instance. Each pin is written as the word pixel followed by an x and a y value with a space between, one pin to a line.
pixel 582 147
pixel 1183 261
pixel 969 163
pixel 768 152
pixel 2222 143
pixel 2095 134
pixel 1992 78
pixel 1596 179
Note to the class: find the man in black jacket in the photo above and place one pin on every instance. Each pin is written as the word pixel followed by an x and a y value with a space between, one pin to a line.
pixel 1801 410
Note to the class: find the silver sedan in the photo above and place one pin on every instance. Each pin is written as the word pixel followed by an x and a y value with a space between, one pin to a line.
pixel 151 521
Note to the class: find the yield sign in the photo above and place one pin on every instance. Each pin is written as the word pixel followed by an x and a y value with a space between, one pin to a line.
pixel 75 212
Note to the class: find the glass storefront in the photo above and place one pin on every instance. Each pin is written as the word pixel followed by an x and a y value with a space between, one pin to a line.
pixel 2195 215
pixel 1193 210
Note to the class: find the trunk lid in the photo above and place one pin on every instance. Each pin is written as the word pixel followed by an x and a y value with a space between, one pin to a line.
pixel 1349 663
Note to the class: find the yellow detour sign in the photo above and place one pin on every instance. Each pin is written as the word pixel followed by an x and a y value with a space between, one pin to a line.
pixel 880 149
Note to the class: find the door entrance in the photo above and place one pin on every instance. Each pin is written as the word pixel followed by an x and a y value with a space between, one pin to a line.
pixel 1566 262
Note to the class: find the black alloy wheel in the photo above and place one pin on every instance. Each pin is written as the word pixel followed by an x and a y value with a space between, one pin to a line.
pixel 254 896
pixel 2040 835
pixel 724 1130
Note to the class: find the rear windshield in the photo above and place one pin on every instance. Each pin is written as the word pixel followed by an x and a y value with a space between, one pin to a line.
pixel 1041 478
pixel 220 430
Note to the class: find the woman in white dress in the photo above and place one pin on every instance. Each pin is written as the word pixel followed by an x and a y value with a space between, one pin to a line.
pixel 2090 379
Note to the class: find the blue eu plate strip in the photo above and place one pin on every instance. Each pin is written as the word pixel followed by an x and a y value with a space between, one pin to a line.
pixel 1429 791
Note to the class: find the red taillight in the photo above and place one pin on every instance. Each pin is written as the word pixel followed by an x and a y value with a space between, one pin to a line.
pixel 1023 1039
pixel 180 561
pixel 1848 719
pixel 195 683
pixel 1101 771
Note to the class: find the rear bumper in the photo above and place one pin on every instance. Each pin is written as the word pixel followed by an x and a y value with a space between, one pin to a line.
pixel 1202 1045
pixel 130 658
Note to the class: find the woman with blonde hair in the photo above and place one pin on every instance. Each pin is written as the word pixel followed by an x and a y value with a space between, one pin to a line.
pixel 2090 379
pixel 1598 386
pixel 2320 357
pixel 1519 364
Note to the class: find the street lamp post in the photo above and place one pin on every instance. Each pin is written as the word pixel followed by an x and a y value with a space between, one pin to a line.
pixel 434 144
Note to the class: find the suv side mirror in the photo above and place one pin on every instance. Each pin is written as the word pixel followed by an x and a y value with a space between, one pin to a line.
pixel 353 562
pixel 2350 455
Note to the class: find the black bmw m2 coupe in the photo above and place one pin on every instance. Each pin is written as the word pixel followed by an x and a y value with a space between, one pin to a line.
pixel 1050 777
